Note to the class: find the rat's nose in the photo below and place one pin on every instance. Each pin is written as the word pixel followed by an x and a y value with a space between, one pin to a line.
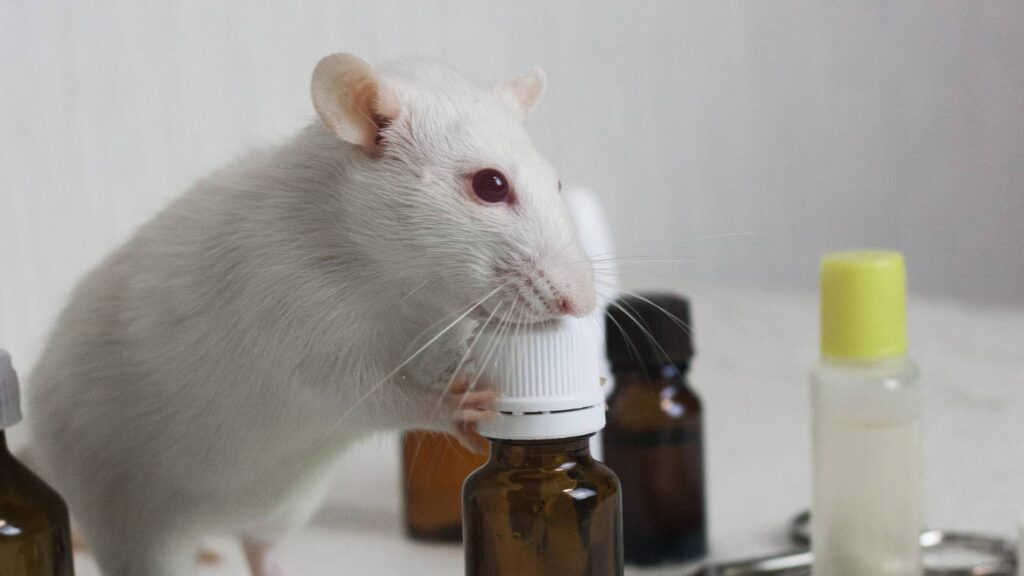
pixel 575 291
pixel 558 287
pixel 580 305
pixel 565 305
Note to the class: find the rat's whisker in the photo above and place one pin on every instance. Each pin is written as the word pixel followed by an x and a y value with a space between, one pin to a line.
pixel 447 317
pixel 414 355
pixel 625 335
pixel 644 260
pixel 462 362
pixel 415 458
pixel 675 319
pixel 414 290
pixel 503 328
pixel 616 262
pixel 447 387
pixel 647 333
pixel 713 236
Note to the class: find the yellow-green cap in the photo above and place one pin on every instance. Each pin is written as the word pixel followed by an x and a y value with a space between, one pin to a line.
pixel 863 305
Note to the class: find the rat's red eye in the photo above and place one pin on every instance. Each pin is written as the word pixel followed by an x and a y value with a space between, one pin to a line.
pixel 490 186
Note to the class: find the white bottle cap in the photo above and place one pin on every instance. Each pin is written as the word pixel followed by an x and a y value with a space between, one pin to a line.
pixel 10 399
pixel 596 240
pixel 549 379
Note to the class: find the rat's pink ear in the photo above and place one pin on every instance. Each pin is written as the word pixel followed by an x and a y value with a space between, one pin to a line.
pixel 351 100
pixel 525 91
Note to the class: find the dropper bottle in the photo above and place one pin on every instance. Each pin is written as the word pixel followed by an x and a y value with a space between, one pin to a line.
pixel 654 437
pixel 542 505
pixel 866 413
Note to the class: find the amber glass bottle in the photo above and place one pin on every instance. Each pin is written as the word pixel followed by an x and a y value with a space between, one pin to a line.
pixel 435 466
pixel 542 506
pixel 35 535
pixel 654 436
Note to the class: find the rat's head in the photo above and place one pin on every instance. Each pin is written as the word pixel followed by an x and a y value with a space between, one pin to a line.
pixel 450 193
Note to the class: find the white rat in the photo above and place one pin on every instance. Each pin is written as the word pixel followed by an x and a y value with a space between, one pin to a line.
pixel 204 377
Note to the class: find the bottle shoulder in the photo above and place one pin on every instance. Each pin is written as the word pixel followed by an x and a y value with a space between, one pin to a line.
pixel 479 477
pixel 599 471
pixel 566 481
pixel 653 404
pixel 26 501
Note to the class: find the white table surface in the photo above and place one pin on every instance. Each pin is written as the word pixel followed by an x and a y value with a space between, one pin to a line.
pixel 753 355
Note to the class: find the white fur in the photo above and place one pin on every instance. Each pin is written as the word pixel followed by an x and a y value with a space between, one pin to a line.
pixel 204 377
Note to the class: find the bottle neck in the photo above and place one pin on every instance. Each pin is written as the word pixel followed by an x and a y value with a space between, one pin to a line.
pixel 540 453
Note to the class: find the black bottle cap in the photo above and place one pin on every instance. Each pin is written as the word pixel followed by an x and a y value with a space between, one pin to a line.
pixel 633 321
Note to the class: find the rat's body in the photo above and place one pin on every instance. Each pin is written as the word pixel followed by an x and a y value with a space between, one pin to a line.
pixel 205 376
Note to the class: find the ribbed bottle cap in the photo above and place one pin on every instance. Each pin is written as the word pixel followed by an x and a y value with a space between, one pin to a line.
pixel 10 399
pixel 648 330
pixel 548 378
pixel 863 305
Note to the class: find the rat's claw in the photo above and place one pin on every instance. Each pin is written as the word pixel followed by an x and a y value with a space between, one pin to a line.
pixel 473 416
pixel 482 400
pixel 467 435
pixel 469 407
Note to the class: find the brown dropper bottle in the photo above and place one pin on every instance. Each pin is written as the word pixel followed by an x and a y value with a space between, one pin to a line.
pixel 35 535
pixel 654 436
pixel 435 466
pixel 542 506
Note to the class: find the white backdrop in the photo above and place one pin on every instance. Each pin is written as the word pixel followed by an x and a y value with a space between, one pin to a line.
pixel 741 138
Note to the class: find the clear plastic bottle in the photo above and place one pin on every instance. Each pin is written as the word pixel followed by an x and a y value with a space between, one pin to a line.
pixel 35 534
pixel 866 413
pixel 542 506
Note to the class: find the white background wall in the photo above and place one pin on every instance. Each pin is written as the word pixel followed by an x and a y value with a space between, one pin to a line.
pixel 742 138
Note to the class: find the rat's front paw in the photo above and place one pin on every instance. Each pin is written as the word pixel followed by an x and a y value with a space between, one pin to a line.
pixel 469 406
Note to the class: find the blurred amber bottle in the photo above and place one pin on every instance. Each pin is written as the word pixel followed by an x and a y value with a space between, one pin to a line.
pixel 35 534
pixel 435 466
pixel 654 436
